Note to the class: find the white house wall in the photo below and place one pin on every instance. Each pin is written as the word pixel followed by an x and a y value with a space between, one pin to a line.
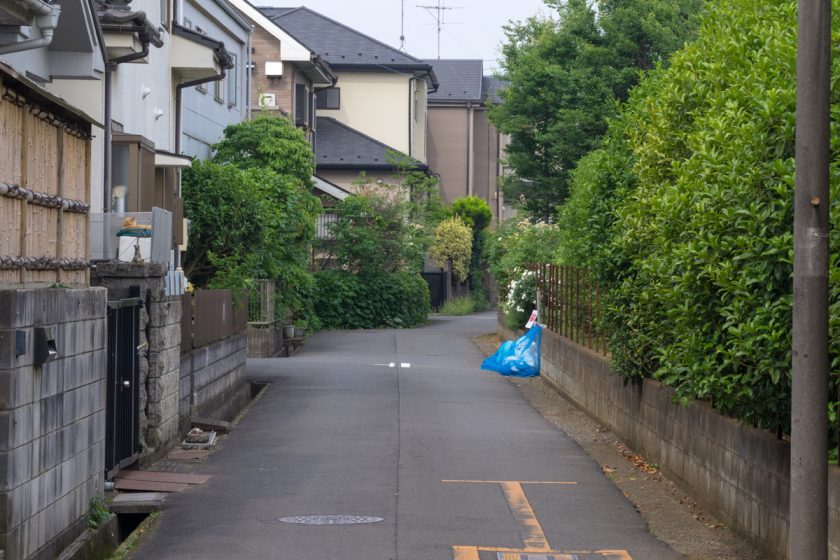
pixel 203 118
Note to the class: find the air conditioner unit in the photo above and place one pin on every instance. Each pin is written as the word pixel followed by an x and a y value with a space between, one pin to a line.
pixel 274 69
pixel 268 100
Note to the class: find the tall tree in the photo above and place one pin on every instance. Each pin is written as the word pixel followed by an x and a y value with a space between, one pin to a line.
pixel 566 73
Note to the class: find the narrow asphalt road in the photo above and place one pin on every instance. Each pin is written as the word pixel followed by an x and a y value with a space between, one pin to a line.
pixel 399 425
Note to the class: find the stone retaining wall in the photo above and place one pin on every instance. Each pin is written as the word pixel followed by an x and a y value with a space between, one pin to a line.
pixel 159 350
pixel 739 473
pixel 52 418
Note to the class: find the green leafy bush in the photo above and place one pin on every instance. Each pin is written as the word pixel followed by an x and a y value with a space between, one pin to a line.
pixel 453 242
pixel 343 300
pixel 463 305
pixel 516 245
pixel 687 213
pixel 251 211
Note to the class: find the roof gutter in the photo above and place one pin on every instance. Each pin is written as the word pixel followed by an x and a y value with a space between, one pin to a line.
pixel 46 21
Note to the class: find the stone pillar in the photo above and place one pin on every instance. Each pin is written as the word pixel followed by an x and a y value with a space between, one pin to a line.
pixel 52 418
pixel 160 350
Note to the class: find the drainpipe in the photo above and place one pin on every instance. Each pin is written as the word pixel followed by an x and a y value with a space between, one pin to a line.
pixel 46 21
pixel 470 149
pixel 178 110
pixel 248 74
pixel 178 89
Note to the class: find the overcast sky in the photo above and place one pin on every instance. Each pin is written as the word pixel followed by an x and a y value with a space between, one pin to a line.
pixel 473 28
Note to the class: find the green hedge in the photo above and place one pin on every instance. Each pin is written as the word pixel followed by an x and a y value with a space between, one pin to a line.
pixel 344 300
pixel 687 215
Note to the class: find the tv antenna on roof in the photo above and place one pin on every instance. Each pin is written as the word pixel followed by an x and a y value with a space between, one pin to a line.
pixel 438 12
pixel 402 25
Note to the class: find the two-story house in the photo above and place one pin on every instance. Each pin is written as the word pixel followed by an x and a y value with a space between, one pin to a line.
pixel 209 107
pixel 465 149
pixel 376 108
pixel 52 323
pixel 152 60
pixel 285 74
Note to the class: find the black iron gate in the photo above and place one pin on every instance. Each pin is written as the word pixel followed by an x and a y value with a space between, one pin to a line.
pixel 437 287
pixel 122 433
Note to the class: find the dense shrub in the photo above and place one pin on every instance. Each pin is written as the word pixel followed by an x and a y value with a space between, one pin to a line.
pixel 453 242
pixel 516 245
pixel 367 301
pixel 687 214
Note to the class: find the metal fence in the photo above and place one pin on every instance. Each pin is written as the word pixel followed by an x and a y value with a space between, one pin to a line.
pixel 570 305
pixel 265 303
pixel 323 222
pixel 212 315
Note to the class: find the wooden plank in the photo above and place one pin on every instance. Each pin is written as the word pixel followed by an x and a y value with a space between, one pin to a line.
pixel 186 454
pixel 161 476
pixel 148 486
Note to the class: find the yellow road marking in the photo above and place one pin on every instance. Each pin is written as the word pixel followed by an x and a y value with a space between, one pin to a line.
pixel 471 552
pixel 464 553
pixel 508 481
pixel 534 536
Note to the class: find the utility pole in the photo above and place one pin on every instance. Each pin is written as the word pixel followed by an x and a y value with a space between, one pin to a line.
pixel 437 15
pixel 809 422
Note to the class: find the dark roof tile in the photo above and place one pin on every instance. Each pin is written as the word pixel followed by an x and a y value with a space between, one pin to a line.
pixel 460 80
pixel 338 145
pixel 335 42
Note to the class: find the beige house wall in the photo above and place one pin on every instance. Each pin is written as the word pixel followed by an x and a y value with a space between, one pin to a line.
pixel 449 140
pixel 448 143
pixel 375 104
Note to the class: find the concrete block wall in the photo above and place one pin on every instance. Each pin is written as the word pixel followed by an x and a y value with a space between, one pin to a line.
pixel 740 473
pixel 52 419
pixel 265 340
pixel 210 375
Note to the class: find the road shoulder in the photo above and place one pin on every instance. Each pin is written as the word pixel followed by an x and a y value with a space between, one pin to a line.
pixel 671 515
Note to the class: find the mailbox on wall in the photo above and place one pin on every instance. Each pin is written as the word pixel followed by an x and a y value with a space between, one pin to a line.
pixel 45 348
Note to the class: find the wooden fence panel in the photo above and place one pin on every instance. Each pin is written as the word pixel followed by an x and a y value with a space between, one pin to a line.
pixel 186 323
pixel 213 316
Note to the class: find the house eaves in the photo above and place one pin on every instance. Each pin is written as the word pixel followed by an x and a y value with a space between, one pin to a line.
pixel 330 188
pixel 293 50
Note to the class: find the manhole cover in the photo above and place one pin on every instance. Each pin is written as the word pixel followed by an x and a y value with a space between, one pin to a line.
pixel 330 519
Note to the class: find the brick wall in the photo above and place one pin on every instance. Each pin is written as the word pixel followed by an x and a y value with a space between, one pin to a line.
pixel 267 48
pixel 52 419
pixel 739 473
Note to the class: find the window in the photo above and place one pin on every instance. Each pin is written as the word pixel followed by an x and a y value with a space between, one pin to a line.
pixel 164 14
pixel 132 173
pixel 218 91
pixel 329 98
pixel 302 105
pixel 232 83
pixel 138 186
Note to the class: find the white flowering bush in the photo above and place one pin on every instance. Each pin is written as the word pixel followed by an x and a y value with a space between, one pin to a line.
pixel 521 298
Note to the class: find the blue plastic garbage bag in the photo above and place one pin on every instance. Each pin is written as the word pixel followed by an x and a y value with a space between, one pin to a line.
pixel 518 358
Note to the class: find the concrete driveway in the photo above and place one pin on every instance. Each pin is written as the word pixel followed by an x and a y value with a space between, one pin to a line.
pixel 399 425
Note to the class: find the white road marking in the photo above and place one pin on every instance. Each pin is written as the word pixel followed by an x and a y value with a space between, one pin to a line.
pixel 405 364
